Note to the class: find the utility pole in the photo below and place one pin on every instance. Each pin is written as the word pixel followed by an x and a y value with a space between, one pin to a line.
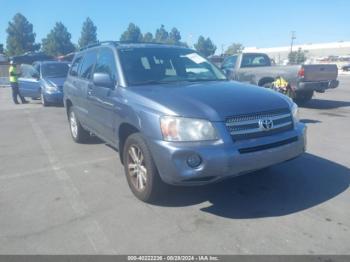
pixel 292 40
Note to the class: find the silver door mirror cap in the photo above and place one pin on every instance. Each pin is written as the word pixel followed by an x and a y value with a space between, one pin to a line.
pixel 103 80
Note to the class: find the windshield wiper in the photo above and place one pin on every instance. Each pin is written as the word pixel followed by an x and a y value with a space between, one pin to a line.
pixel 159 82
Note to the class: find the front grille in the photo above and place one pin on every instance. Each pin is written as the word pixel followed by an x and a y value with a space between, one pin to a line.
pixel 251 125
pixel 268 146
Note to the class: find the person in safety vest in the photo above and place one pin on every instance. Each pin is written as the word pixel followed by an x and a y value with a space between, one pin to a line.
pixel 280 85
pixel 14 83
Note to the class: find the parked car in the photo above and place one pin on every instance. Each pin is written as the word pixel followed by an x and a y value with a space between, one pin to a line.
pixel 175 118
pixel 44 80
pixel 346 68
pixel 303 80
pixel 3 59
pixel 31 57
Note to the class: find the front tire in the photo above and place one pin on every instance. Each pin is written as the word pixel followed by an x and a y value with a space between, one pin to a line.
pixel 79 134
pixel 43 101
pixel 140 169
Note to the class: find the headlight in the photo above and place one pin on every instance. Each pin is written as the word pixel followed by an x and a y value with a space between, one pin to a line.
pixel 295 112
pixel 50 87
pixel 186 129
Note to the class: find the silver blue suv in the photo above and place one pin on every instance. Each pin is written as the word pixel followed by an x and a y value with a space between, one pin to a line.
pixel 175 118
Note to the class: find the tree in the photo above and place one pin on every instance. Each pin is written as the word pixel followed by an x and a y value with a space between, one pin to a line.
pixel 20 36
pixel 205 46
pixel 88 33
pixel 174 37
pixel 234 48
pixel 132 34
pixel 1 48
pixel 162 35
pixel 58 41
pixel 297 57
pixel 148 37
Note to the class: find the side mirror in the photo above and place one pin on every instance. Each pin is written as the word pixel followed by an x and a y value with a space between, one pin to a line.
pixel 103 79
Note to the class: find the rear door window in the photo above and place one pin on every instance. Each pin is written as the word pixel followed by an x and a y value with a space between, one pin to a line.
pixel 88 64
pixel 74 71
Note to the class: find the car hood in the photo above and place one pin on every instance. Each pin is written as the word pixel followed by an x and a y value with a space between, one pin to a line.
pixel 214 101
pixel 56 81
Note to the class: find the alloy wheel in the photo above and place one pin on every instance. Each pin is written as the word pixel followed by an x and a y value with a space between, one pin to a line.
pixel 73 124
pixel 136 168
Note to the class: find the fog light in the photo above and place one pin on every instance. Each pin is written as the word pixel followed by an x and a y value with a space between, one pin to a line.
pixel 194 160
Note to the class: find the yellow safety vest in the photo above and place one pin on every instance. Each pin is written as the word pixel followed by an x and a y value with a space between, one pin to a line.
pixel 280 83
pixel 12 70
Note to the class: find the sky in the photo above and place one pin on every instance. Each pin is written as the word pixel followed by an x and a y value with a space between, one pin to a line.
pixel 254 23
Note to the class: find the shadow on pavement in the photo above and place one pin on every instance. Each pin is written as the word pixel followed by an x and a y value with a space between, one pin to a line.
pixel 310 121
pixel 284 189
pixel 325 104
pixel 94 140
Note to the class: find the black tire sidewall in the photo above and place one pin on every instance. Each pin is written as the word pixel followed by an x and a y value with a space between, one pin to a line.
pixel 43 101
pixel 302 97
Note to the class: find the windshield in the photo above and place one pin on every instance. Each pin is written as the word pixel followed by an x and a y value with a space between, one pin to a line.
pixel 144 66
pixel 55 70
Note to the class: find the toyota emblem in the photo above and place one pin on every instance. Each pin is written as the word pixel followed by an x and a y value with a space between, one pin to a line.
pixel 265 124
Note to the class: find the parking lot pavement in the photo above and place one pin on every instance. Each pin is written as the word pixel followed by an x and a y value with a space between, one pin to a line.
pixel 58 197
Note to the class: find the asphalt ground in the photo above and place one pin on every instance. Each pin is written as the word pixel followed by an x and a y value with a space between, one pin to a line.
pixel 59 197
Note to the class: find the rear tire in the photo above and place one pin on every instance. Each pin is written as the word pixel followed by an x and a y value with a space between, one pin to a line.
pixel 302 97
pixel 140 170
pixel 79 134
pixel 267 85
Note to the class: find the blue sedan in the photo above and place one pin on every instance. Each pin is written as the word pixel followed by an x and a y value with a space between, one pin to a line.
pixel 44 80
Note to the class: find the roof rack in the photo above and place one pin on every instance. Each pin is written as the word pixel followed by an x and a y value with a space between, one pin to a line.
pixel 98 44
pixel 132 42
pixel 118 42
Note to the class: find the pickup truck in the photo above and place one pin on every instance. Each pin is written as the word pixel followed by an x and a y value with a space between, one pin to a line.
pixel 302 80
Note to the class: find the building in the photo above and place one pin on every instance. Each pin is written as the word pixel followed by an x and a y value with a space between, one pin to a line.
pixel 314 51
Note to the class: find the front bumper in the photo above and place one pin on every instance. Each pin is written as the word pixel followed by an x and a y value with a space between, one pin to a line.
pixel 224 158
pixel 320 86
pixel 54 98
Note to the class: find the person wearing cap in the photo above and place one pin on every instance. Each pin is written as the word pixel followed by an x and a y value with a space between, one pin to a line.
pixel 14 83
